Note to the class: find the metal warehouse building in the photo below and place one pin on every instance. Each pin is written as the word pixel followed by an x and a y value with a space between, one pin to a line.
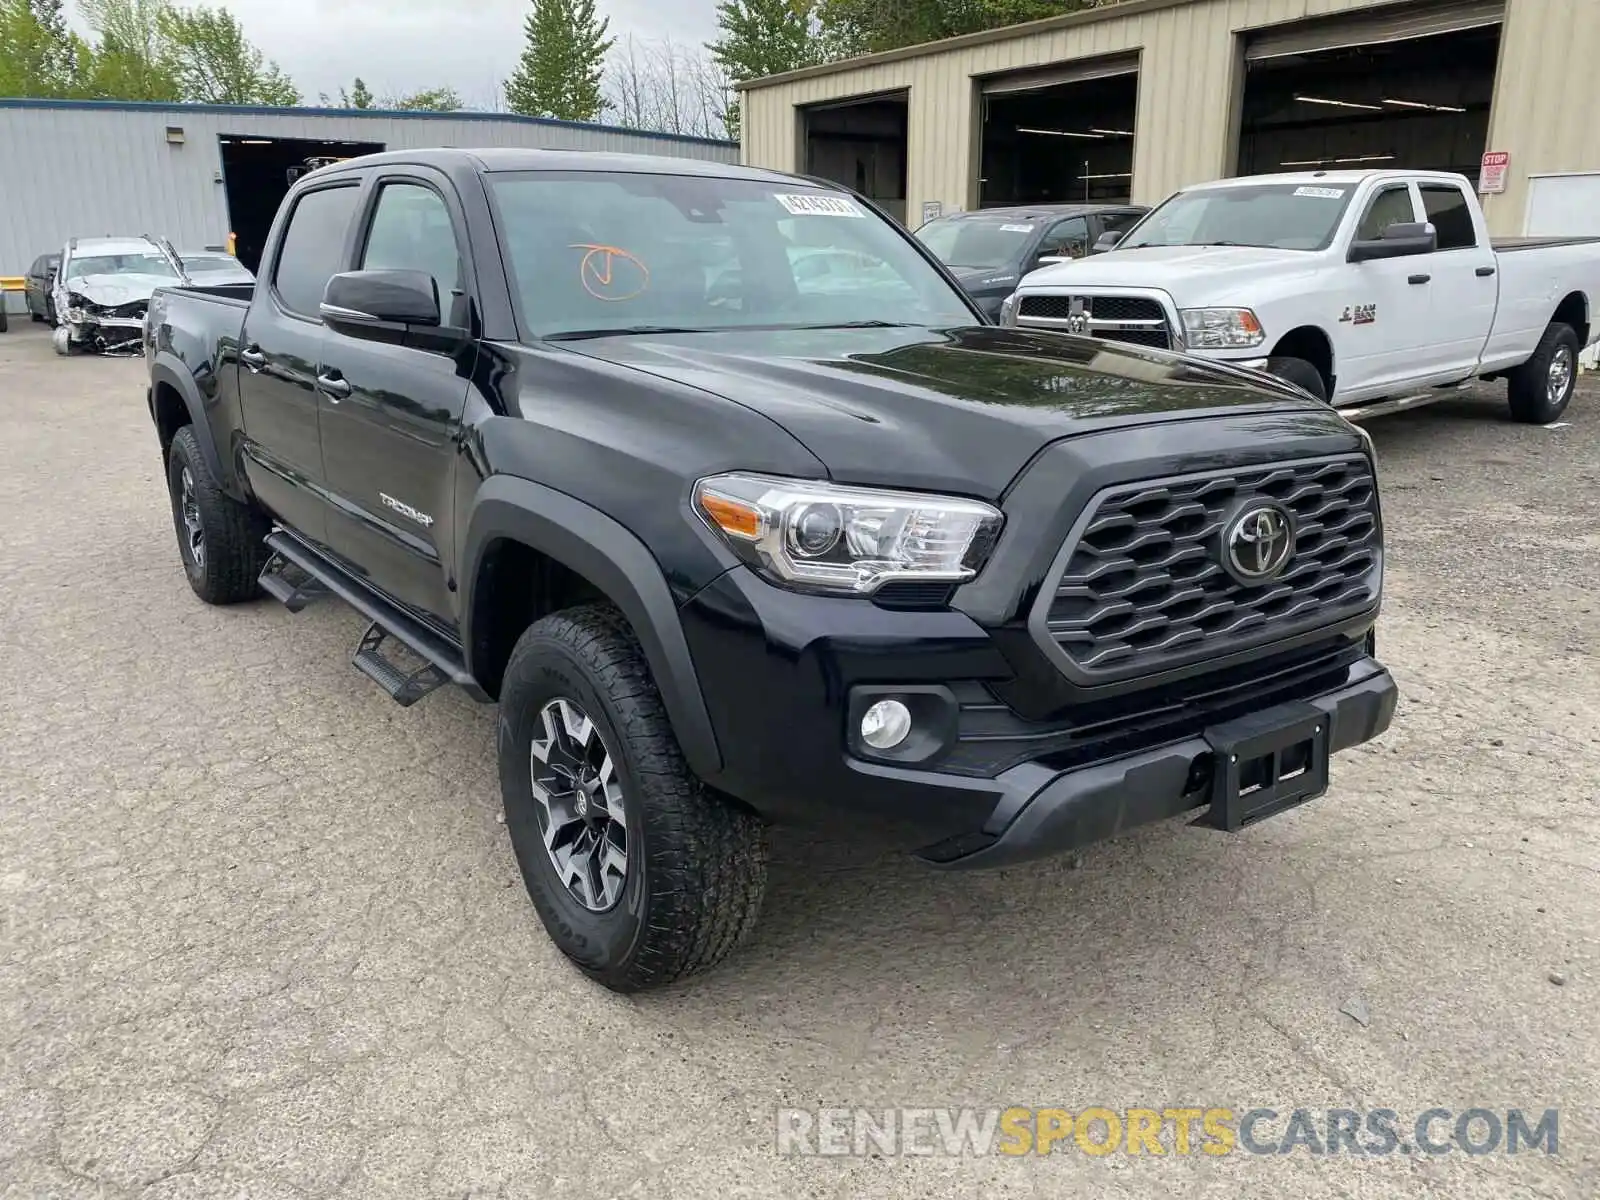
pixel 1136 100
pixel 195 173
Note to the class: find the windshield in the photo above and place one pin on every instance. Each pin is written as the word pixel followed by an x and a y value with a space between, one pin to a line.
pixel 121 264
pixel 992 243
pixel 1287 216
pixel 593 251
pixel 198 264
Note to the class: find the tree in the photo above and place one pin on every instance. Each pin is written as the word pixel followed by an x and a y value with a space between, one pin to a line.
pixel 667 87
pixel 439 99
pixel 39 55
pixel 359 95
pixel 867 26
pixel 130 59
pixel 563 60
pixel 214 63
pixel 764 37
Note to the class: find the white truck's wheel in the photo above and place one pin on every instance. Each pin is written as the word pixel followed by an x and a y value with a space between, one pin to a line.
pixel 61 339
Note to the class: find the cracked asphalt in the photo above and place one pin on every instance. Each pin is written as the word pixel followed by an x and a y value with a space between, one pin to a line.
pixel 264 938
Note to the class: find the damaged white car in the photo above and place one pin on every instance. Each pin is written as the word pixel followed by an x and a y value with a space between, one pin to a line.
pixel 103 288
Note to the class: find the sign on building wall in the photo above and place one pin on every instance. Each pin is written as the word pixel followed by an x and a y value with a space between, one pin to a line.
pixel 932 210
pixel 1492 172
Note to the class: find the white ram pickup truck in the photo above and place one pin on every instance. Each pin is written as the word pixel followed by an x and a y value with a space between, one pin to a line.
pixel 1374 290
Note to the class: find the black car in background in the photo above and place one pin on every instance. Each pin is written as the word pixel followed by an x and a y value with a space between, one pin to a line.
pixel 41 277
pixel 991 249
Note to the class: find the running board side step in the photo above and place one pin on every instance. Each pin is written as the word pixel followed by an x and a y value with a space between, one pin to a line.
pixel 291 585
pixel 442 659
pixel 1394 404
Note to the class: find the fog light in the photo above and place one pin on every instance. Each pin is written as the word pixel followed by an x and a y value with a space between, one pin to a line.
pixel 885 725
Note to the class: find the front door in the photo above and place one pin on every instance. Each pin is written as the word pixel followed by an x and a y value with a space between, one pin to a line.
pixel 389 443
pixel 1463 284
pixel 1381 306
pixel 280 351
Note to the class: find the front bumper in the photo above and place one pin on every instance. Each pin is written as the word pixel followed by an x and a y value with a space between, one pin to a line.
pixel 1037 818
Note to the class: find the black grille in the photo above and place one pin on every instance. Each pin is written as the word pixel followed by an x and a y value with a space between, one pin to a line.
pixel 1101 308
pixel 1144 588
pixel 1139 337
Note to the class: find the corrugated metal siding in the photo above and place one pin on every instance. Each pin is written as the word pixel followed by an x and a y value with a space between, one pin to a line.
pixel 1190 66
pixel 87 171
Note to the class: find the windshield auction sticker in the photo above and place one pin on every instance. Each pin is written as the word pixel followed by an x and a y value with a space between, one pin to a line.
pixel 1016 228
pixel 819 206
pixel 1320 193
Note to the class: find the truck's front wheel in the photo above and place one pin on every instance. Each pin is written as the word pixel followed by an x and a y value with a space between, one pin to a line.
pixel 1300 373
pixel 1541 388
pixel 640 874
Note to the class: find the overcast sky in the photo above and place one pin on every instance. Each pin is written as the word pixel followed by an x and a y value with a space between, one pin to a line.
pixel 400 46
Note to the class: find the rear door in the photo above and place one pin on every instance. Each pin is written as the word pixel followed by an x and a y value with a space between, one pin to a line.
pixel 389 439
pixel 1379 309
pixel 1463 285
pixel 281 354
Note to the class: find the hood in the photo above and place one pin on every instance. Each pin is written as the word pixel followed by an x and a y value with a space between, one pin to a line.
pixel 109 291
pixel 1211 269
pixel 957 410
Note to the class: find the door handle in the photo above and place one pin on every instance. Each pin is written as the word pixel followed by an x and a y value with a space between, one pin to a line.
pixel 1485 272
pixel 1419 279
pixel 335 387
pixel 252 357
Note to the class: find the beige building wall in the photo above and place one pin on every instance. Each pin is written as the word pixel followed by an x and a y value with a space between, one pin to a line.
pixel 1546 100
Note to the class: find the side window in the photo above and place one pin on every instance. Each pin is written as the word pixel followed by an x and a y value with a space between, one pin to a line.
pixel 1067 239
pixel 1391 206
pixel 37 270
pixel 1118 222
pixel 411 231
pixel 312 246
pixel 1446 206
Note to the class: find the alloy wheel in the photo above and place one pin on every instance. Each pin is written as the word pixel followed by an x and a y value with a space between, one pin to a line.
pixel 580 807
pixel 1559 377
pixel 189 509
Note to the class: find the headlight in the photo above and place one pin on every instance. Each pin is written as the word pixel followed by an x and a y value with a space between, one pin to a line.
pixel 1221 328
pixel 846 539
pixel 75 316
pixel 1008 310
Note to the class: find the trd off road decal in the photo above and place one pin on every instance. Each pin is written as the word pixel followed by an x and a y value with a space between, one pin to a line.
pixel 1359 314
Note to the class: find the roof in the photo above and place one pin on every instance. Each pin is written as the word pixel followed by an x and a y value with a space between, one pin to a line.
pixel 1112 11
pixel 508 158
pixel 1325 178
pixel 354 114
pixel 113 245
pixel 1045 210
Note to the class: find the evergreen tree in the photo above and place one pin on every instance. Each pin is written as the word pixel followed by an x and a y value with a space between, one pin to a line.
pixel 39 55
pixel 359 95
pixel 763 37
pixel 563 62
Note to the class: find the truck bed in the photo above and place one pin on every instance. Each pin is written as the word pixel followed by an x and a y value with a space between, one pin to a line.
pixel 1511 244
pixel 236 295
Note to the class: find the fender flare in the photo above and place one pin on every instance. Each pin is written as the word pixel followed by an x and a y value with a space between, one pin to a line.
pixel 585 540
pixel 169 370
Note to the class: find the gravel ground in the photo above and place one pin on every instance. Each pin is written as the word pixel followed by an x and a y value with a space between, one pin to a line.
pixel 264 936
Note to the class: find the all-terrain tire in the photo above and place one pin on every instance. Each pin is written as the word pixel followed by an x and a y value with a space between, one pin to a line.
pixel 1300 373
pixel 232 548
pixel 1529 387
pixel 696 862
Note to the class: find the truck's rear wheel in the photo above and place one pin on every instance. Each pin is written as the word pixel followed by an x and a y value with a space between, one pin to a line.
pixel 220 540
pixel 1300 373
pixel 640 874
pixel 1541 388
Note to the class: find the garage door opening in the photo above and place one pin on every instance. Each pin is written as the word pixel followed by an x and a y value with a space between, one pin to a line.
pixel 256 174
pixel 861 144
pixel 1061 135
pixel 1409 91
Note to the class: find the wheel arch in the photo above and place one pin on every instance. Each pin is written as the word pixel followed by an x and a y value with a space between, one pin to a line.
pixel 575 551
pixel 1574 311
pixel 1311 343
pixel 175 402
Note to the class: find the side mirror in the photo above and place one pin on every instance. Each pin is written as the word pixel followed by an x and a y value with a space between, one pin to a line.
pixel 1399 240
pixel 1106 241
pixel 388 306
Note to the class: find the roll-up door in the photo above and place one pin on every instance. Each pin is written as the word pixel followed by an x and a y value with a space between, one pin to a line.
pixel 1058 73
pixel 1390 23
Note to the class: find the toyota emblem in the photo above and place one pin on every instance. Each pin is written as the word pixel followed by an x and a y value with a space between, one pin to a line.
pixel 1258 543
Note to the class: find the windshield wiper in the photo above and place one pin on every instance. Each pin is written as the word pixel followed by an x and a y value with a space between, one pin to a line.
pixel 575 335
pixel 857 325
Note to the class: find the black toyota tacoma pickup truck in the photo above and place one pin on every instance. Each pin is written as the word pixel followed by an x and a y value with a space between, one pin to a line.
pixel 716 482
